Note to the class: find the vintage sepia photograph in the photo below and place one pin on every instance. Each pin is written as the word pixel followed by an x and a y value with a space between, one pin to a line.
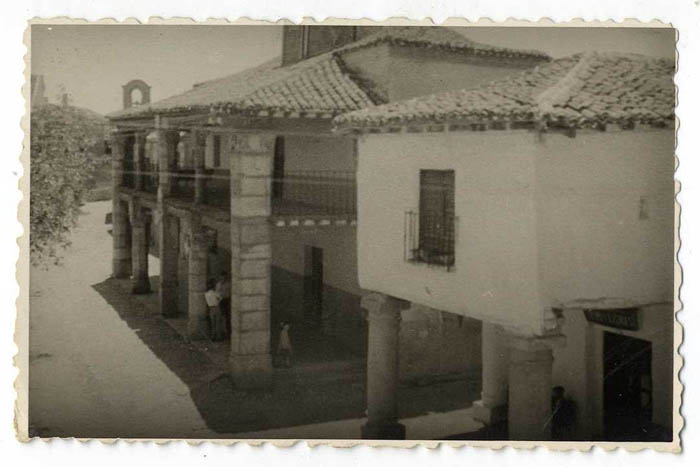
pixel 352 232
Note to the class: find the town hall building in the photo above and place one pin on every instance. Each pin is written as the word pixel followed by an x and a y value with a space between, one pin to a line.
pixel 421 204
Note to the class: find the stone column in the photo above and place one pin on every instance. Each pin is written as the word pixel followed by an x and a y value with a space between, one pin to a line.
pixel 139 156
pixel 198 153
pixel 251 171
pixel 197 324
pixel 530 388
pixel 384 316
pixel 165 155
pixel 169 234
pixel 139 250
pixel 121 242
pixel 492 408
pixel 168 229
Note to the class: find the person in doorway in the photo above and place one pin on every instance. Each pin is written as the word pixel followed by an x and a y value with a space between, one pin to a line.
pixel 563 415
pixel 216 320
pixel 284 347
pixel 223 288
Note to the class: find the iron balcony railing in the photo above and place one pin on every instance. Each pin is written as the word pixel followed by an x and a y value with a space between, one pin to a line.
pixel 182 184
pixel 430 239
pixel 149 177
pixel 298 193
pixel 128 173
pixel 217 188
pixel 315 192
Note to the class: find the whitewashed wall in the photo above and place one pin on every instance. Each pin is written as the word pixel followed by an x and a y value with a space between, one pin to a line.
pixel 540 221
pixel 495 274
pixel 592 240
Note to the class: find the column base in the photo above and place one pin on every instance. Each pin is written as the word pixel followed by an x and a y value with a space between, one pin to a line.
pixel 141 286
pixel 198 328
pixel 530 387
pixel 490 415
pixel 167 299
pixel 251 371
pixel 383 430
pixel 121 269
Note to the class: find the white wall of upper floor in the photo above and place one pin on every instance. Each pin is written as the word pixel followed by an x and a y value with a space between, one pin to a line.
pixel 605 207
pixel 539 222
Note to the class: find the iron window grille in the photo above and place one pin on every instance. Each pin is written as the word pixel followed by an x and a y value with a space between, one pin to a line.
pixel 433 243
pixel 431 232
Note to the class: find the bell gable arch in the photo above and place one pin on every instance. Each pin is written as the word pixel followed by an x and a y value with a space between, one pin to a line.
pixel 128 89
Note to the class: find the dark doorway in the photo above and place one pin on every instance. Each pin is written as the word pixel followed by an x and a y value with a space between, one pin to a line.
pixel 627 386
pixel 313 286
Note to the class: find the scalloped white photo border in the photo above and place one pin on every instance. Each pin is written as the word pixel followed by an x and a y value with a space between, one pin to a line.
pixel 687 42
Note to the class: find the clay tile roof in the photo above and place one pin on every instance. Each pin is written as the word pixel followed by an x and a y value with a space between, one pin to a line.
pixel 580 90
pixel 316 85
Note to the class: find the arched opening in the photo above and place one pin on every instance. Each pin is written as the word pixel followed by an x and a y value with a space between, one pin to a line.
pixel 136 96
pixel 136 92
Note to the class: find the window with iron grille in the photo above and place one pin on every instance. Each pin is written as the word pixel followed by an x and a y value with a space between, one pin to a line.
pixel 430 233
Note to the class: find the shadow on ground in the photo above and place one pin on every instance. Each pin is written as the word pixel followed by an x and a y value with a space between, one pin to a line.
pixel 290 402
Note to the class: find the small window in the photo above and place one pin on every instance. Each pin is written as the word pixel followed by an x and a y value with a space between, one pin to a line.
pixel 431 231
pixel 217 151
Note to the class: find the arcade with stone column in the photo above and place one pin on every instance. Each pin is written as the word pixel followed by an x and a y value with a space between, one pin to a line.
pixel 155 195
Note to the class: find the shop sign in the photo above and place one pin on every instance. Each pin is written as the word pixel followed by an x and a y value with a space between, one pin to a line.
pixel 622 318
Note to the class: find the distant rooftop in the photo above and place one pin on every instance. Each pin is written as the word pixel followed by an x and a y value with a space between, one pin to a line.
pixel 580 90
pixel 318 86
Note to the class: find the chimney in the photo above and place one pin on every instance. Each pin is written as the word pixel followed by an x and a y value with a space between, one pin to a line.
pixel 64 99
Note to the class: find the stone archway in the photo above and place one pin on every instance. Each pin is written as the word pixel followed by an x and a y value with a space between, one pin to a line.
pixel 128 89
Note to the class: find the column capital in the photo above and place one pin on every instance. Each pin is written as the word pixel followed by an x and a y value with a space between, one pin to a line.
pixel 117 140
pixel 536 343
pixel 117 135
pixel 380 305
pixel 252 143
pixel 140 137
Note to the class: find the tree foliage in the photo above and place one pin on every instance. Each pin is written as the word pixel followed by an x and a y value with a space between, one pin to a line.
pixel 64 143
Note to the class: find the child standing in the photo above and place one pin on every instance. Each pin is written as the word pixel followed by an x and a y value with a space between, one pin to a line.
pixel 216 318
pixel 284 348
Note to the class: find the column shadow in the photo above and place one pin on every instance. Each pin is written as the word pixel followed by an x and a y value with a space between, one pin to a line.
pixel 293 400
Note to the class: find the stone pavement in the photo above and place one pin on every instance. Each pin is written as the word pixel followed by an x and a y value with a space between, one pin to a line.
pixel 103 363
pixel 318 403
pixel 90 374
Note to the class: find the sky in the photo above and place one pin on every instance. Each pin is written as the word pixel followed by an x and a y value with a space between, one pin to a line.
pixel 92 62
